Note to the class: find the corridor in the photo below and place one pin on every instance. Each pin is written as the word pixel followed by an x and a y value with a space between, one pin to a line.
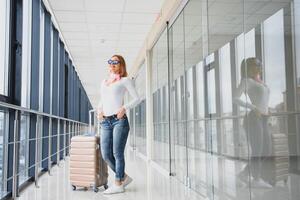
pixel 204 93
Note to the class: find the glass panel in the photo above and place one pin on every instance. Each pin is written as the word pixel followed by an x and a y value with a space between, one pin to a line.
pixel 4 33
pixel 3 152
pixel 179 132
pixel 274 60
pixel 225 80
pixel 41 81
pixel 243 52
pixel 41 56
pixel 245 47
pixel 226 50
pixel 191 125
pixel 178 115
pixel 164 127
pixel 25 92
pixel 272 129
pixel 209 126
pixel 236 110
pixel 297 43
pixel 137 129
pixel 211 91
pixel 160 148
pixel 193 30
pixel 200 90
pixel 143 127
pixel 23 156
pixel 2 133
pixel 227 145
pixel 140 114
pixel 131 132
pixel 26 54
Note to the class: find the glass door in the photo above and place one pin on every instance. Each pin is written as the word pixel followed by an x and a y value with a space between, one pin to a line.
pixel 210 110
pixel 178 126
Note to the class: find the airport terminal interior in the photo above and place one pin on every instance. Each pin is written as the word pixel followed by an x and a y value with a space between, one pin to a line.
pixel 219 88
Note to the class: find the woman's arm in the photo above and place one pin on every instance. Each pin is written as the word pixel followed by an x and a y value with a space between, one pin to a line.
pixel 100 106
pixel 100 110
pixel 237 94
pixel 133 93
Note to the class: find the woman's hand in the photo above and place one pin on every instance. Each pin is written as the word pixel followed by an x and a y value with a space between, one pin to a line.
pixel 100 116
pixel 121 112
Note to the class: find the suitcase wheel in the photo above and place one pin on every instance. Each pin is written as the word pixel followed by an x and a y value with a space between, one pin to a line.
pixel 105 186
pixel 73 187
pixel 96 189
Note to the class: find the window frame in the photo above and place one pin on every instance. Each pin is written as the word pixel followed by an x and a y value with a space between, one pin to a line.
pixel 6 37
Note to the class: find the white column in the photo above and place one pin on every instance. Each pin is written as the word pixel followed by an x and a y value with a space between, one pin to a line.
pixel 149 106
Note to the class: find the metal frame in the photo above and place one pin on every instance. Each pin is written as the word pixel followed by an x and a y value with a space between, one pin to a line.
pixel 15 155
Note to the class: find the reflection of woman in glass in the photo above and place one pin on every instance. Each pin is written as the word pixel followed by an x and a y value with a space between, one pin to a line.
pixel 255 122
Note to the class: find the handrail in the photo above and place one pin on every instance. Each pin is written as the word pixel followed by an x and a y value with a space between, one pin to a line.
pixel 22 109
pixel 74 128
pixel 236 117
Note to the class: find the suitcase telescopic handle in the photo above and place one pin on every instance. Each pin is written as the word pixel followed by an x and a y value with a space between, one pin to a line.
pixel 96 122
pixel 90 120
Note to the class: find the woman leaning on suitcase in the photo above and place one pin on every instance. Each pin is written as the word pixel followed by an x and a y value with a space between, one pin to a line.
pixel 114 122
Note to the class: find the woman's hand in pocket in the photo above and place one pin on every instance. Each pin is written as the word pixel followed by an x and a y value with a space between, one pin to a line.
pixel 100 116
pixel 121 113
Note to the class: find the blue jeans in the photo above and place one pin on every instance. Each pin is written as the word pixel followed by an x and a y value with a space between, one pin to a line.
pixel 114 133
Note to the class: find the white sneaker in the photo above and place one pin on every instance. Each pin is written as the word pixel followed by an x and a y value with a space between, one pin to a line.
pixel 114 189
pixel 259 183
pixel 127 181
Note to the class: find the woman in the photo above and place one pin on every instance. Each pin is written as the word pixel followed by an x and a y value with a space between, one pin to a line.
pixel 255 122
pixel 114 122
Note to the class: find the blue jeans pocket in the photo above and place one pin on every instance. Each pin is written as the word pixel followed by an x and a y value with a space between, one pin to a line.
pixel 123 122
pixel 103 122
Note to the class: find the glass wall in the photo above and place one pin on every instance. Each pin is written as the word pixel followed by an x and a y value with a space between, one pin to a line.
pixel 140 112
pixel 159 90
pixel 234 98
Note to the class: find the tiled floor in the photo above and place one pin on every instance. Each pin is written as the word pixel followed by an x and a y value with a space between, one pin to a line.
pixel 148 184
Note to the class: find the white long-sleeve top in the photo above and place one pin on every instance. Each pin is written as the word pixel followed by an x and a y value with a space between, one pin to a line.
pixel 112 96
pixel 258 93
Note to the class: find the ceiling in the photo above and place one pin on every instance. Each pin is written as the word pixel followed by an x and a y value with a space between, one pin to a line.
pixel 94 30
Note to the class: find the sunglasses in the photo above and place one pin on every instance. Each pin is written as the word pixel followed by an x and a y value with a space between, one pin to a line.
pixel 113 62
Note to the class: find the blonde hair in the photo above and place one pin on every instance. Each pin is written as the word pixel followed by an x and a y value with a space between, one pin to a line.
pixel 250 67
pixel 122 72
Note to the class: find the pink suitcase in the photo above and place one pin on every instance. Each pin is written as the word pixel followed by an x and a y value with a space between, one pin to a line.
pixel 87 168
